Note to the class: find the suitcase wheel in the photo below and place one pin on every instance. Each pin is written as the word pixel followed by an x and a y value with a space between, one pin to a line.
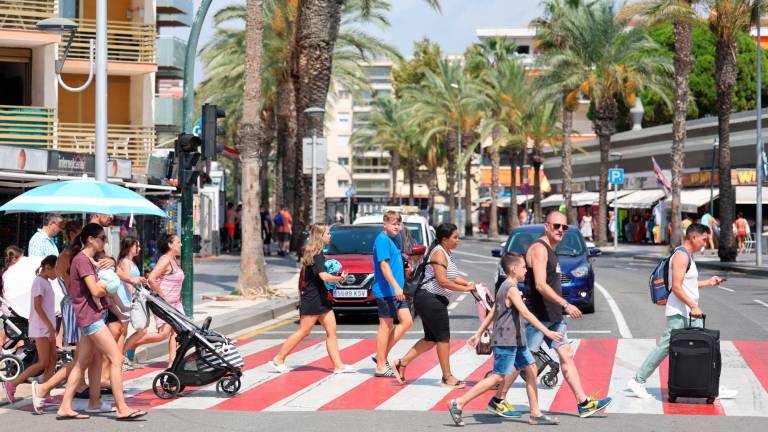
pixel 710 400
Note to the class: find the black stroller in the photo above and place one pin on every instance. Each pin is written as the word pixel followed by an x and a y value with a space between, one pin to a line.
pixel 203 356
pixel 484 301
pixel 19 352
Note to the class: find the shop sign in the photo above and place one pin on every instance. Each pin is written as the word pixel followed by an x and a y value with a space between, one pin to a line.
pixel 70 163
pixel 23 159
pixel 739 177
pixel 120 168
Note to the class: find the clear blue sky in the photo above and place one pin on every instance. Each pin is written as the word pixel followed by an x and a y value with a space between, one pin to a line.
pixel 454 29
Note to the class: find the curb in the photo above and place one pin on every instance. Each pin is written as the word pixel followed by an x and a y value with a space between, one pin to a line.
pixel 709 265
pixel 227 324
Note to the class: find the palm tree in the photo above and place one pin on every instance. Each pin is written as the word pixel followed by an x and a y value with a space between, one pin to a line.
pixel 541 127
pixel 252 279
pixel 682 14
pixel 612 64
pixel 550 37
pixel 727 19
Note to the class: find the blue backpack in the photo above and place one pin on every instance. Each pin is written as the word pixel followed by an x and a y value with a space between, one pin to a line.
pixel 659 280
pixel 279 219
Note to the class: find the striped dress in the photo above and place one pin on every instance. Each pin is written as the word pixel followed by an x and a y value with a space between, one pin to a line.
pixel 431 284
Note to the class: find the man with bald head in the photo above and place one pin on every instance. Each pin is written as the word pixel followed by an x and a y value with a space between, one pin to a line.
pixel 546 301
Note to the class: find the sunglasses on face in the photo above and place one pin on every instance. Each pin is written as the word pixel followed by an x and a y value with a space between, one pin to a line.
pixel 558 226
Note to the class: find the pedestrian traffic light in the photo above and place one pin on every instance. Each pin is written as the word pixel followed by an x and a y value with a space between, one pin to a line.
pixel 211 129
pixel 187 155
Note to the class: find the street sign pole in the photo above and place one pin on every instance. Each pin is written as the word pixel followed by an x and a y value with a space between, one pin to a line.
pixel 314 176
pixel 616 177
pixel 759 165
pixel 187 296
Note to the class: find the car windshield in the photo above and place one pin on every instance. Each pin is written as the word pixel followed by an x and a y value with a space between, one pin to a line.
pixel 415 230
pixel 571 245
pixel 355 240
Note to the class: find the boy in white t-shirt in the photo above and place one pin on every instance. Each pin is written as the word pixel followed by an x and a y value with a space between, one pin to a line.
pixel 682 301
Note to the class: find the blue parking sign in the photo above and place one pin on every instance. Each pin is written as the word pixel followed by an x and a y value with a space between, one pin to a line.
pixel 616 176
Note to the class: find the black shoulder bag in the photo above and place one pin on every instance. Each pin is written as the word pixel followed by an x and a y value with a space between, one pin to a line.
pixel 414 283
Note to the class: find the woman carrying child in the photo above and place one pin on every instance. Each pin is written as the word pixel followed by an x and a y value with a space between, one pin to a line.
pixel 42 330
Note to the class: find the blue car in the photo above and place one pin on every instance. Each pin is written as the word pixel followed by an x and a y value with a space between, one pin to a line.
pixel 577 278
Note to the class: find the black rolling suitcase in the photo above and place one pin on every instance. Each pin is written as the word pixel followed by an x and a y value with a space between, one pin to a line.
pixel 694 363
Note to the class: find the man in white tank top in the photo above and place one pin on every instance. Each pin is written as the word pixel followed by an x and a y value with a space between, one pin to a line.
pixel 683 300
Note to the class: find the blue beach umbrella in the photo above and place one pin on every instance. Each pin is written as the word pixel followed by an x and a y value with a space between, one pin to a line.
pixel 82 196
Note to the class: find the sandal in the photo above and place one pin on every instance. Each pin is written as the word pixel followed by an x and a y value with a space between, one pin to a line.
pixel 457 385
pixel 455 412
pixel 543 420
pixel 400 370
pixel 386 374
pixel 132 416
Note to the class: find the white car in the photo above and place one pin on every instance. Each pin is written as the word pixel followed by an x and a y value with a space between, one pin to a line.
pixel 416 224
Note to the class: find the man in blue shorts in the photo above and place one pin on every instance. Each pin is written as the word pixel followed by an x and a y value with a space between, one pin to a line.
pixel 388 281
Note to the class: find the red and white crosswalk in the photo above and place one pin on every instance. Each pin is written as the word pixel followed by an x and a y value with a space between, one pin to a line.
pixel 604 365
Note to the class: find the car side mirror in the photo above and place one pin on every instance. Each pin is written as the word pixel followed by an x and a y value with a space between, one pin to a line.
pixel 496 252
pixel 418 250
pixel 595 252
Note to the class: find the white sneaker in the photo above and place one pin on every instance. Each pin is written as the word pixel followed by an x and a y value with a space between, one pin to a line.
pixel 344 369
pixel 726 393
pixel 279 367
pixel 638 389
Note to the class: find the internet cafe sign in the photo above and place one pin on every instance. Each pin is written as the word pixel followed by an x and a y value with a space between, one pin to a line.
pixel 739 177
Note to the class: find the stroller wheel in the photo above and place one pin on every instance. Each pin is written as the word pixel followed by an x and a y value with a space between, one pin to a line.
pixel 229 385
pixel 166 385
pixel 549 380
pixel 10 367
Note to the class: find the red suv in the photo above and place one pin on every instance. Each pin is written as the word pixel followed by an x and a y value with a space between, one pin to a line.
pixel 352 246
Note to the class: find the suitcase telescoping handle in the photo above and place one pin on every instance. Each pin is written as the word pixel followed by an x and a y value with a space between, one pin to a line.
pixel 703 317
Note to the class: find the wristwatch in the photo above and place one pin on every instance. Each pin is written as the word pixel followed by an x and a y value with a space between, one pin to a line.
pixel 565 306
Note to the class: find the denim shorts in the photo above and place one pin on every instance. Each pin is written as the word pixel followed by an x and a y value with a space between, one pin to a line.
pixel 93 328
pixel 388 306
pixel 508 358
pixel 535 337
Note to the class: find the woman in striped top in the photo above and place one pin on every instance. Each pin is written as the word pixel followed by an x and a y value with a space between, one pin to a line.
pixel 441 280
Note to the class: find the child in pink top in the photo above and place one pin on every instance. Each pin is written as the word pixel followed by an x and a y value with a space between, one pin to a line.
pixel 42 316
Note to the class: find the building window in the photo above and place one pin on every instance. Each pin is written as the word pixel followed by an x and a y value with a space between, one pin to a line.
pixel 344 94
pixel 344 161
pixel 69 8
pixel 343 184
pixel 343 119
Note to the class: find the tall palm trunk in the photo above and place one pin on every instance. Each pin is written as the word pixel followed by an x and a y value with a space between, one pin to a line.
pixel 432 181
pixel 570 212
pixel 536 162
pixel 266 150
pixel 512 221
pixel 683 61
pixel 493 223
pixel 317 26
pixel 411 175
pixel 605 126
pixel 395 169
pixel 725 78
pixel 252 279
pixel 468 227
pixel 286 145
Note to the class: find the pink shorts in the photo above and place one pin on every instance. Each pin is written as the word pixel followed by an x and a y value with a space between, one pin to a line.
pixel 160 323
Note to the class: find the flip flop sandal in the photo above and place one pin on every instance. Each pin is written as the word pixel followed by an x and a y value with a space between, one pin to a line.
pixel 103 408
pixel 76 416
pixel 37 402
pixel 400 369
pixel 457 385
pixel 455 412
pixel 543 420
pixel 132 416
pixel 389 373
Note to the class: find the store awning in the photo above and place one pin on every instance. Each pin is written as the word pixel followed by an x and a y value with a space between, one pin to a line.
pixel 10 179
pixel 748 195
pixel 643 199
pixel 692 199
pixel 553 200
pixel 578 199
pixel 502 202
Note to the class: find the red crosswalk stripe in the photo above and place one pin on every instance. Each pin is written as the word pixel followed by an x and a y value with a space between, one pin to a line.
pixel 755 354
pixel 594 362
pixel 477 404
pixel 685 406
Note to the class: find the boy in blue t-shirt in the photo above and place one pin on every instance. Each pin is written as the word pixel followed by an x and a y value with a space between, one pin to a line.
pixel 388 281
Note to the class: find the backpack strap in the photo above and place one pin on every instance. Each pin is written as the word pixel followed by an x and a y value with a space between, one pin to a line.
pixel 690 258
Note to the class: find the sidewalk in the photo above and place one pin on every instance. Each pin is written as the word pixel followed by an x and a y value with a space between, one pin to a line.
pixel 217 276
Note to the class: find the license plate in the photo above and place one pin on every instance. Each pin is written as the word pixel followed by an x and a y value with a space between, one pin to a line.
pixel 355 293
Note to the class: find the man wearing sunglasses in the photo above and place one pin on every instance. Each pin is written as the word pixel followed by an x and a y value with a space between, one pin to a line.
pixel 545 297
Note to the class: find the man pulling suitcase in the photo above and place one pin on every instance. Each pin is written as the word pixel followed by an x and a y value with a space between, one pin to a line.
pixel 683 302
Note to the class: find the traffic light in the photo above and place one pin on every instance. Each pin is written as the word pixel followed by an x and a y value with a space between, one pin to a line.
pixel 211 129
pixel 187 155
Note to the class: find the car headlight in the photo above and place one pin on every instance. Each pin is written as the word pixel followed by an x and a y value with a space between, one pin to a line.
pixel 580 271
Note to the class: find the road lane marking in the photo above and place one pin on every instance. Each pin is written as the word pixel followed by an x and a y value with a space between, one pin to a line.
pixel 268 328
pixel 461 298
pixel 470 254
pixel 488 262
pixel 620 321
pixel 761 303
pixel 726 289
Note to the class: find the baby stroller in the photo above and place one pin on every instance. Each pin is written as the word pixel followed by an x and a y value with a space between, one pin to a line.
pixel 203 356
pixel 484 302
pixel 18 352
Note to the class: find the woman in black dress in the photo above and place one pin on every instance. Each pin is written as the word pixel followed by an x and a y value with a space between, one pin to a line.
pixel 314 305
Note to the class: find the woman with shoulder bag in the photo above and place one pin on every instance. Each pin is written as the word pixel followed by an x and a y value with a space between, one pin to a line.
pixel 314 305
pixel 441 280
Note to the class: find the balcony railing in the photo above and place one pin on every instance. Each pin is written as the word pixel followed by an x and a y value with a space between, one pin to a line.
pixel 26 125
pixel 24 14
pixel 123 141
pixel 126 41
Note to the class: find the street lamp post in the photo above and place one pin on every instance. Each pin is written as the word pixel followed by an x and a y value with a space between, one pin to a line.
pixel 760 156
pixel 312 113
pixel 712 178
pixel 616 203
